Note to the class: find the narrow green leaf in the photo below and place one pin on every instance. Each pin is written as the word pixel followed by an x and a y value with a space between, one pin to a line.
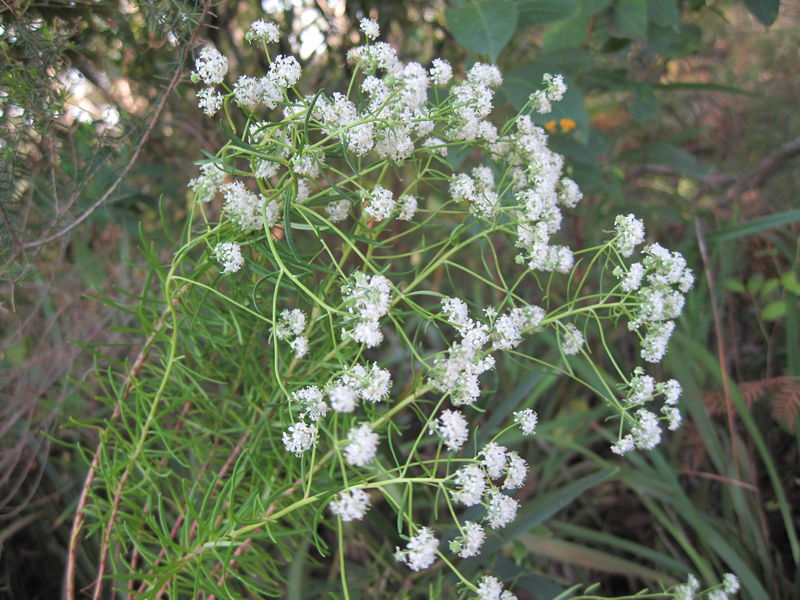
pixel 483 27
pixel 755 226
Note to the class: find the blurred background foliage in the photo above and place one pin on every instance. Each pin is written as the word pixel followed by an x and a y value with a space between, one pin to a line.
pixel 682 111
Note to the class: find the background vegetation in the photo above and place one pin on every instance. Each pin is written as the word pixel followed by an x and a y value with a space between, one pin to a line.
pixel 682 112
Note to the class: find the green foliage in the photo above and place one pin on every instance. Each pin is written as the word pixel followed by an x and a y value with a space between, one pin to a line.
pixel 483 27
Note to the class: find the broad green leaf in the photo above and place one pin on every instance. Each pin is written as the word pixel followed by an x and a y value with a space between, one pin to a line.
pixel 790 283
pixel 664 12
pixel 483 27
pixel 569 33
pixel 536 12
pixel 754 283
pixel 774 310
pixel 770 285
pixel 756 225
pixel 765 11
pixel 519 83
pixel 734 285
pixel 666 155
pixel 631 17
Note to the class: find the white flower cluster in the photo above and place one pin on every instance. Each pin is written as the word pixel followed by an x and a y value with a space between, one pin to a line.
pixel 367 299
pixel 300 437
pixel 490 588
pixel 351 505
pixel 372 385
pixel 458 373
pixel 263 31
pixel 470 541
pixel 420 552
pixel 210 68
pixel 691 589
pixel 270 89
pixel 291 327
pixel 370 28
pixel 477 190
pixel 229 254
pixel 362 445
pixel 471 483
pixel 658 284
pixel 473 104
pixel 527 420
pixel 245 207
pixel 629 233
pixel 380 203
pixel 537 175
pixel 554 90
pixel 206 185
pixel 572 339
pixel 646 430
pixel 452 428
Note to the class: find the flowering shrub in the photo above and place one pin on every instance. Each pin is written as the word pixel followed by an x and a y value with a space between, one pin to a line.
pixel 335 329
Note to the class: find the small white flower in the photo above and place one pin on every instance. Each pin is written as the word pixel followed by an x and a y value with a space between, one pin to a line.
pixel 362 445
pixel 672 391
pixel 265 169
pixel 299 346
pixel 471 481
pixel 209 100
pixel 420 551
pixel 469 543
pixel 632 280
pixel 343 398
pixel 516 471
pixel 205 186
pixel 351 505
pixel 263 31
pixel 571 340
pixel 490 588
pixel 640 388
pixel 501 510
pixel 370 28
pixel 300 437
pixel 730 583
pixel 211 66
pixel 229 254
pixel 623 445
pixel 338 210
pixel 556 88
pixel 376 384
pixel 630 233
pixel 441 72
pixel 312 402
pixel 494 459
pixel 527 420
pixel 452 428
pixel 408 207
pixel 646 432
pixel 673 415
pixel 380 203
pixel 285 71
pixel 290 323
